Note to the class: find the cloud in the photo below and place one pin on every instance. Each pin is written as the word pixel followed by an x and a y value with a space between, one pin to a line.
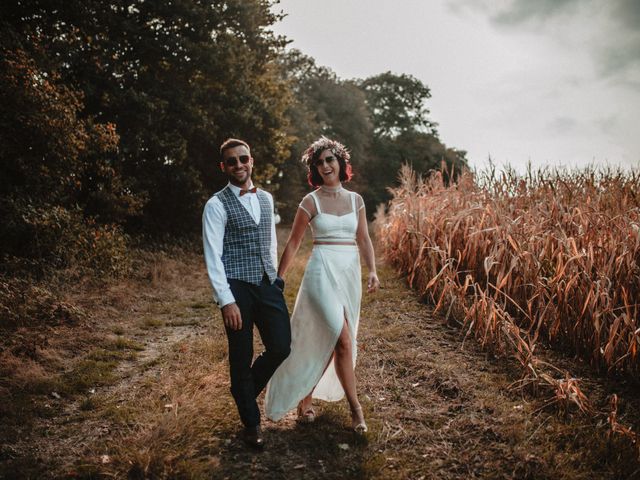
pixel 628 12
pixel 630 84
pixel 607 124
pixel 521 11
pixel 562 125
pixel 612 28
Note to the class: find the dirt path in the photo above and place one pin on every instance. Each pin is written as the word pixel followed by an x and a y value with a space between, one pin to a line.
pixel 435 410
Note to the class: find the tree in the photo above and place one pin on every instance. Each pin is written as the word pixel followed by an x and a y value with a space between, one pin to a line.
pixel 323 105
pixel 175 78
pixel 383 120
pixel 397 104
pixel 53 160
pixel 424 152
pixel 403 133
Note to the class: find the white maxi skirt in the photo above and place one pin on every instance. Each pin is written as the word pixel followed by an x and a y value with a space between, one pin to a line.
pixel 330 292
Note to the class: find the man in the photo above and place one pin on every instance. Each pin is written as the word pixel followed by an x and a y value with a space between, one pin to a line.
pixel 240 250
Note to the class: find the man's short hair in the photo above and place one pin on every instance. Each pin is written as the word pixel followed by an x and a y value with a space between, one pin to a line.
pixel 232 142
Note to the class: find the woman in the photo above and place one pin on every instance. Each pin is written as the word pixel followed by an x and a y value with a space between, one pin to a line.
pixel 325 318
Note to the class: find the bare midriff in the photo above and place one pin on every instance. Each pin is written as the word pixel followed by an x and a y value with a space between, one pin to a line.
pixel 336 242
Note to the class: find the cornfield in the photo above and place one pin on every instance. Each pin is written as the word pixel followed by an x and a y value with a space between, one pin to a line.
pixel 550 257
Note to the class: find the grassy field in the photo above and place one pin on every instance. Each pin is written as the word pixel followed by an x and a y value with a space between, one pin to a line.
pixel 136 386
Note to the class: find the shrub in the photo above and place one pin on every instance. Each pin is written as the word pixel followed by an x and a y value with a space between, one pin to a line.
pixel 48 236
pixel 25 305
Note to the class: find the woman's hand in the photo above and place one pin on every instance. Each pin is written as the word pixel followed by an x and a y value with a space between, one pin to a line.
pixel 373 283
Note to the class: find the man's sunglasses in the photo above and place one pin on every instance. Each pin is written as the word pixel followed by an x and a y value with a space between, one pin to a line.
pixel 233 161
pixel 320 161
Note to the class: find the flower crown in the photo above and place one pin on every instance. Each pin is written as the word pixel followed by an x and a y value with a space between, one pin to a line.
pixel 324 143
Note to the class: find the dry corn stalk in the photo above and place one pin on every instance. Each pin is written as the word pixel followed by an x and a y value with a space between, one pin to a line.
pixel 557 252
pixel 552 256
pixel 617 428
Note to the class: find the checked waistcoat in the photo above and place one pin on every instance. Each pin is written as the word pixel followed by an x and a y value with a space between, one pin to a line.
pixel 246 251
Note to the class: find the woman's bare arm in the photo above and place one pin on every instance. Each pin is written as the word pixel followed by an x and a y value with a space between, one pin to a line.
pixel 365 245
pixel 298 228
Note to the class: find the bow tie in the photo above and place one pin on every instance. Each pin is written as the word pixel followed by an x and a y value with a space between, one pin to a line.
pixel 248 190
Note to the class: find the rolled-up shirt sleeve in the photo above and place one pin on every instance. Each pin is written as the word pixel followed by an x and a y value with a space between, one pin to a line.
pixel 274 238
pixel 214 220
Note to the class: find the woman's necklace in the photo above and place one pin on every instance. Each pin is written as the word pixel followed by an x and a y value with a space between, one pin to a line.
pixel 327 189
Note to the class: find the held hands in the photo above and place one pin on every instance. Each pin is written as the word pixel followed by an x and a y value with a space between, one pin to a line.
pixel 373 283
pixel 231 316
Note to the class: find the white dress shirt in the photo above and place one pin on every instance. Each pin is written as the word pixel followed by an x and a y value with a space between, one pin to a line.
pixel 214 221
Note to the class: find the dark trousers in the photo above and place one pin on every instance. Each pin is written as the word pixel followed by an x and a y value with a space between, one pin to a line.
pixel 263 306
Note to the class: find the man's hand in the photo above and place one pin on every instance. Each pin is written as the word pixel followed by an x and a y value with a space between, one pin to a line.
pixel 231 316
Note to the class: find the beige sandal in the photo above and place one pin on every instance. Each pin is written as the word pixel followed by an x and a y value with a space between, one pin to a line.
pixel 306 416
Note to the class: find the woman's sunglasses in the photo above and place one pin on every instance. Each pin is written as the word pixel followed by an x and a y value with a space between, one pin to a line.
pixel 233 161
pixel 328 160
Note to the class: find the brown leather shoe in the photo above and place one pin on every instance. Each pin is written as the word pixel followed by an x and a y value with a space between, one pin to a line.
pixel 252 436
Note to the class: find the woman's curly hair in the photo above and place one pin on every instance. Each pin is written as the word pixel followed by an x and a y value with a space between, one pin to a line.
pixel 312 153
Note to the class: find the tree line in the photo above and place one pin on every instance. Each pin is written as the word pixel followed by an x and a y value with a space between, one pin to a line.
pixel 113 113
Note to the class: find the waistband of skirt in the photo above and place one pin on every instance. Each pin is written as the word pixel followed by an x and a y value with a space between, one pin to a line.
pixel 335 247
pixel 334 241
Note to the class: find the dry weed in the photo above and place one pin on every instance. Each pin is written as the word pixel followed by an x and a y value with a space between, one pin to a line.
pixel 551 257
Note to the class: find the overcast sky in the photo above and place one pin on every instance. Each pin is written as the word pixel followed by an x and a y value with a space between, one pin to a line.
pixel 554 82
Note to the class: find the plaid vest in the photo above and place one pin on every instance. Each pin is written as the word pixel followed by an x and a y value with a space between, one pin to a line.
pixel 246 251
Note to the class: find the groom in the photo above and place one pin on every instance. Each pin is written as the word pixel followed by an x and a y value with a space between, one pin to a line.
pixel 240 250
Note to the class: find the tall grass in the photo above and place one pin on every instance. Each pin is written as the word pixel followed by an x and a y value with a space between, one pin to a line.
pixel 550 256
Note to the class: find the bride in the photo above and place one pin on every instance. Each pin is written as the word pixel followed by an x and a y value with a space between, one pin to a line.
pixel 324 323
